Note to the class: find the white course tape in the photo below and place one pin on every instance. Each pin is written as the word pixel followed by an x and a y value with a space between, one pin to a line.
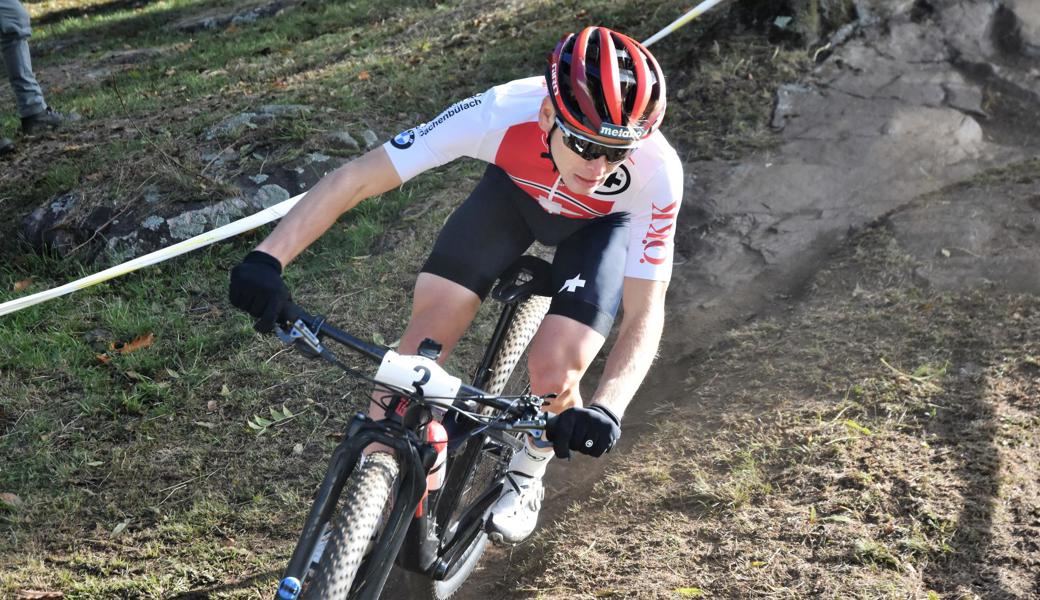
pixel 205 239
pixel 697 11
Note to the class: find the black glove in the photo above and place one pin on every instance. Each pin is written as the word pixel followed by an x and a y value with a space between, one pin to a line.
pixel 593 431
pixel 257 288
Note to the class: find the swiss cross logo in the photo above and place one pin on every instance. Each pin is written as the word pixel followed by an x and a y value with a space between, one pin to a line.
pixel 655 242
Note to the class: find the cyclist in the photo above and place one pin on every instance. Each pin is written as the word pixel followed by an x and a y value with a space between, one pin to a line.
pixel 576 161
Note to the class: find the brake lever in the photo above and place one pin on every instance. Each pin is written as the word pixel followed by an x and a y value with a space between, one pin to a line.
pixel 302 338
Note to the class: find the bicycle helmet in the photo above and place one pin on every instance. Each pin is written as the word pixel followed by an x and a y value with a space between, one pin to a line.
pixel 605 83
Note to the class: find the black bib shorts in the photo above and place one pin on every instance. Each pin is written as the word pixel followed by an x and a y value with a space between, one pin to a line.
pixel 499 222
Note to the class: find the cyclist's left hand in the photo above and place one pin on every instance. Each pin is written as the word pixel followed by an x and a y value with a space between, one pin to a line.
pixel 593 431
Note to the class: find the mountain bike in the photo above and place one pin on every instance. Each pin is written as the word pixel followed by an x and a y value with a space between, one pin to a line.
pixel 423 506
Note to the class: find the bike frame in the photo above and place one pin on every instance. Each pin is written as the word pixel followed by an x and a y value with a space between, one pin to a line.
pixel 425 553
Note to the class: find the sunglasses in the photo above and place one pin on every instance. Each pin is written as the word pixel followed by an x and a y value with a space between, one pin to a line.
pixel 590 150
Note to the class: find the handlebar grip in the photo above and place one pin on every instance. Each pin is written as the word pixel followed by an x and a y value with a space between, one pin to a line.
pixel 550 423
pixel 292 312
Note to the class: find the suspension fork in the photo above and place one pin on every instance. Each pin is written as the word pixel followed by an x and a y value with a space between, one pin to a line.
pixel 361 432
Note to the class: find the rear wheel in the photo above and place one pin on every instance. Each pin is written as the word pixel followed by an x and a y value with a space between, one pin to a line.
pixel 481 463
pixel 363 503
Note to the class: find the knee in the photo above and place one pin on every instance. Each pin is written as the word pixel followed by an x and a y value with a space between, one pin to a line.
pixel 554 370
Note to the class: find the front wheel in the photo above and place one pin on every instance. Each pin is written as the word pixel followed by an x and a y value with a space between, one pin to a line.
pixel 478 467
pixel 363 504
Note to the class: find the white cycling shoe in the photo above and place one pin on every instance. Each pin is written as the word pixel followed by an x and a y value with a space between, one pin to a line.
pixel 515 515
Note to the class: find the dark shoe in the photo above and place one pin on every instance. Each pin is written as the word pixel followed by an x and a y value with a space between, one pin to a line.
pixel 6 146
pixel 48 120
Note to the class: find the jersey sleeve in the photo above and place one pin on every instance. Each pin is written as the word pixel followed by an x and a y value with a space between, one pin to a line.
pixel 651 240
pixel 456 132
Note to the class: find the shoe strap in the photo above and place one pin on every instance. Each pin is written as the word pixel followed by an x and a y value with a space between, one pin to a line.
pixel 510 477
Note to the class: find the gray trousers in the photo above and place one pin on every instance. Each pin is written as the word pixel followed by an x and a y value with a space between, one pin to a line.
pixel 14 35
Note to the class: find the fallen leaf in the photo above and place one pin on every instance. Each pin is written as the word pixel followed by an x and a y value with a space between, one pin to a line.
pixel 120 528
pixel 138 343
pixel 21 285
pixel 363 76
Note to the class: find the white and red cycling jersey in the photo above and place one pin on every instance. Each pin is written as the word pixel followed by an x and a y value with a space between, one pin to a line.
pixel 500 126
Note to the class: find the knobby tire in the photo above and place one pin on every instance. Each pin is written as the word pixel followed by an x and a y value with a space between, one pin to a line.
pixel 362 505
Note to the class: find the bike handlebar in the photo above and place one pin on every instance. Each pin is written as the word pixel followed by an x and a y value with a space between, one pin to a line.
pixel 291 313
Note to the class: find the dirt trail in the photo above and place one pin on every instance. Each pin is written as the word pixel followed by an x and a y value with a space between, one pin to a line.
pixel 916 102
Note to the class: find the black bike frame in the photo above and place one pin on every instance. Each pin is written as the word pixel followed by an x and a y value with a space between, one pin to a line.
pixel 360 433
pixel 526 277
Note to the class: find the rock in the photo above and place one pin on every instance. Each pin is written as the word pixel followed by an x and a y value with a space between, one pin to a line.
pixel 269 195
pixel 341 140
pixel 219 18
pixel 151 194
pixel 193 222
pixel 153 223
pixel 259 179
pixel 785 103
pixel 231 127
pixel 285 110
pixel 48 226
pixel 965 98
pixel 130 57
pixel 1027 13
pixel 967 238
pixel 371 139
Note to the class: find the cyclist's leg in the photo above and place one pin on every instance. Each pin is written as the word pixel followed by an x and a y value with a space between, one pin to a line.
pixel 441 311
pixel 479 241
pixel 588 272
pixel 561 352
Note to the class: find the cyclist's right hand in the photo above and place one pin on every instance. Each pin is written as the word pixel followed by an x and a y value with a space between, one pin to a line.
pixel 257 288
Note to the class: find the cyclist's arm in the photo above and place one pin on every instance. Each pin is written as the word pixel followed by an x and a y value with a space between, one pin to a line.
pixel 369 175
pixel 636 345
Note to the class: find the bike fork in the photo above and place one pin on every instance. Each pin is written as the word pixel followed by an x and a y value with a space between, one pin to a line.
pixel 361 432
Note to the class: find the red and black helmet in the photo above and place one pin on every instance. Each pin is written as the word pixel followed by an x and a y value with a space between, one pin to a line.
pixel 605 83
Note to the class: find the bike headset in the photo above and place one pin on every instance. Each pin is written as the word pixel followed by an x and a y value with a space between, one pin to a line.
pixel 606 84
